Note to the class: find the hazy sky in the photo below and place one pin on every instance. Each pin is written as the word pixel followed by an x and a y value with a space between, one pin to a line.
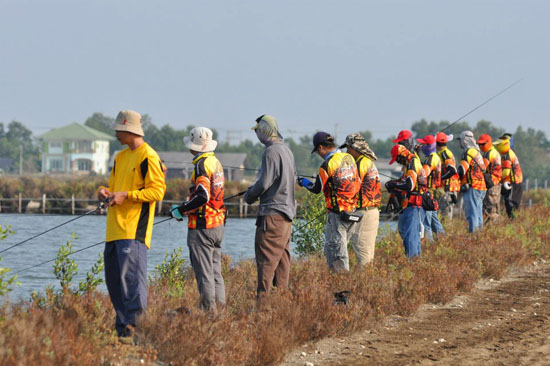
pixel 313 64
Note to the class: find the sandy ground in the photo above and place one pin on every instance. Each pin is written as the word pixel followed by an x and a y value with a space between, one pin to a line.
pixel 504 322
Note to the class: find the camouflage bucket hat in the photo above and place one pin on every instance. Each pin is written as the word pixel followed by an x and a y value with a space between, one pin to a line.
pixel 358 143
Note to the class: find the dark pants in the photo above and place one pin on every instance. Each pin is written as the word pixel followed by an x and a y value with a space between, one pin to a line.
pixel 205 252
pixel 512 198
pixel 126 279
pixel 272 247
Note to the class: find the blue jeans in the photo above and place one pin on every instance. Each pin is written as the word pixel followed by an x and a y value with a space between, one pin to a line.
pixel 473 208
pixel 431 223
pixel 409 229
pixel 126 279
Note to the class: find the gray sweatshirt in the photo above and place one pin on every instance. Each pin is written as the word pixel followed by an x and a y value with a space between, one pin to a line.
pixel 275 183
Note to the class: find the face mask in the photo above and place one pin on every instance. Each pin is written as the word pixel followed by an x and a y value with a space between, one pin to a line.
pixel 262 137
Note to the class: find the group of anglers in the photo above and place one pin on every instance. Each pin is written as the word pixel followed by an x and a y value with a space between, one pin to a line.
pixel 349 180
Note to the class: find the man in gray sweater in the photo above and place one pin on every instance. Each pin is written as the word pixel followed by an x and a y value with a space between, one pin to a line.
pixel 275 189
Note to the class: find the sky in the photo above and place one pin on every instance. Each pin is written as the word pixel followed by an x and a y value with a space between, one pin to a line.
pixel 339 66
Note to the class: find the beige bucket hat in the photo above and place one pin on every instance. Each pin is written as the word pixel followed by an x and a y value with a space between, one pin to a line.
pixel 129 121
pixel 200 139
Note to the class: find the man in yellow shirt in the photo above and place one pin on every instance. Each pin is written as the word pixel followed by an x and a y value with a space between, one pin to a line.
pixel 135 184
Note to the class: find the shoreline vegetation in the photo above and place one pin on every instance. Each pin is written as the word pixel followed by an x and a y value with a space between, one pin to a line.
pixel 73 326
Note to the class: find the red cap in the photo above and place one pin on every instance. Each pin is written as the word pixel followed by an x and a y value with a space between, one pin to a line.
pixel 441 137
pixel 396 151
pixel 428 140
pixel 402 136
pixel 483 139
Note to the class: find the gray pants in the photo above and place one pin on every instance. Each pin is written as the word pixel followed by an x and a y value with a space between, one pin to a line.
pixel 337 235
pixel 205 252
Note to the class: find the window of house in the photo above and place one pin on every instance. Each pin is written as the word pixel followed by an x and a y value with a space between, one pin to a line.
pixel 56 165
pixel 84 147
pixel 84 165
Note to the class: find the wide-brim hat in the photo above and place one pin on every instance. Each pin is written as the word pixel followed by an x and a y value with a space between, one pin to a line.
pixel 200 140
pixel 358 143
pixel 129 121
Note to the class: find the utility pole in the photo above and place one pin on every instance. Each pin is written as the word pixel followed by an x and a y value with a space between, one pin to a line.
pixel 20 160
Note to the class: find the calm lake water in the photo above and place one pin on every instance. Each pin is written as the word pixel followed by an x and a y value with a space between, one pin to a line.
pixel 238 243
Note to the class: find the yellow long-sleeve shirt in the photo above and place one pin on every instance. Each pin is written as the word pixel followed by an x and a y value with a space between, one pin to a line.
pixel 138 172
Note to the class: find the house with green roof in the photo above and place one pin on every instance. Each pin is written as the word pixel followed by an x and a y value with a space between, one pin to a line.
pixel 75 148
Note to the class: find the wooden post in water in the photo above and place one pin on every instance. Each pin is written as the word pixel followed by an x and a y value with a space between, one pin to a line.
pixel 20 203
pixel 72 204
pixel 245 209
pixel 43 203
pixel 240 207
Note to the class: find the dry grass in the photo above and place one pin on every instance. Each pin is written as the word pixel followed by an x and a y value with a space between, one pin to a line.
pixel 78 331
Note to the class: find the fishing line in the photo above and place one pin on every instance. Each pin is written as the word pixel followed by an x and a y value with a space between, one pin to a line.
pixel 485 102
pixel 250 169
pixel 76 251
pixel 101 205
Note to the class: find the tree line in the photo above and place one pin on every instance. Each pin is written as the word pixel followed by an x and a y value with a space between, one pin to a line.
pixel 532 146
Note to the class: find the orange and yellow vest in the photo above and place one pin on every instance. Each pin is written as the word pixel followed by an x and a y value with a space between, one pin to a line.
pixel 432 167
pixel 208 173
pixel 416 172
pixel 451 184
pixel 474 167
pixel 370 193
pixel 340 181
pixel 492 161
pixel 511 170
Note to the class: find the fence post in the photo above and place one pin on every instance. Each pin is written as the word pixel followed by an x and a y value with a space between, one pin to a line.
pixel 43 203
pixel 240 207
pixel 536 184
pixel 546 184
pixel 72 204
pixel 159 208
pixel 527 184
pixel 20 203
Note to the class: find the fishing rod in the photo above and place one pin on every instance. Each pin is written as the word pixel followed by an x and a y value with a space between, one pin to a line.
pixel 485 102
pixel 76 251
pixel 101 206
pixel 250 169
pixel 310 221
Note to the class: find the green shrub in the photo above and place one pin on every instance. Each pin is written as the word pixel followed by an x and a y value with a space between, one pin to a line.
pixel 308 231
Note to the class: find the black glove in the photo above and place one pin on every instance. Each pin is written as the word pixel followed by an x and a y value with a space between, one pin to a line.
pixel 391 185
pixel 454 198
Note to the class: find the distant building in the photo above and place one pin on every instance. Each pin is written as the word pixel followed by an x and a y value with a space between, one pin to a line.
pixel 179 164
pixel 75 149
pixel 6 165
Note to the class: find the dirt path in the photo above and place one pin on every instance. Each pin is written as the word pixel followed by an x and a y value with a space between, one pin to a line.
pixel 504 322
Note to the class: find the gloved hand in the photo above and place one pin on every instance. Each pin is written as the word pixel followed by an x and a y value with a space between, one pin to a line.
pixel 453 197
pixel 175 213
pixel 507 186
pixel 391 185
pixel 304 182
